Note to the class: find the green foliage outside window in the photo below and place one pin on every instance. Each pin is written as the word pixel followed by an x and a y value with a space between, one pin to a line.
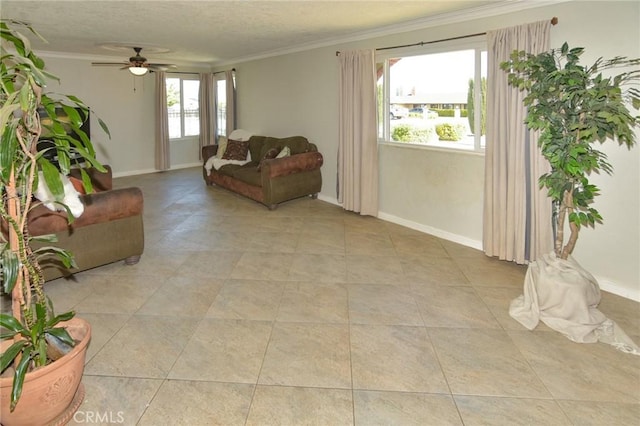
pixel 450 132
pixel 408 133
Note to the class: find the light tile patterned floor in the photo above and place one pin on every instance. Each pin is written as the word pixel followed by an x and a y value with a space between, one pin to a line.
pixel 237 315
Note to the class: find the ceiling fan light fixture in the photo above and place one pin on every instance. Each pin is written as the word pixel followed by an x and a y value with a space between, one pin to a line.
pixel 139 71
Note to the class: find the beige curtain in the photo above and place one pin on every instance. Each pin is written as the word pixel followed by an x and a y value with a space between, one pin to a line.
pixel 357 138
pixel 517 214
pixel 231 101
pixel 207 108
pixel 214 93
pixel 162 123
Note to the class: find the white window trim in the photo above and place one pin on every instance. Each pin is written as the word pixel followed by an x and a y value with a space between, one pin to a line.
pixel 478 43
pixel 183 77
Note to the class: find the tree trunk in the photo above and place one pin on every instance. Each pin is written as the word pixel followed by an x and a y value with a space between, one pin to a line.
pixel 573 238
pixel 13 206
pixel 562 213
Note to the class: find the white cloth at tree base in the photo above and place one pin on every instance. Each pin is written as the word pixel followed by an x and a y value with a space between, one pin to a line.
pixel 564 296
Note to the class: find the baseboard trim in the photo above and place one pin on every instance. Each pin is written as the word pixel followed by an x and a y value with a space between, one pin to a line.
pixel 134 173
pixel 614 288
pixel 604 283
pixel 147 171
pixel 330 200
pixel 445 235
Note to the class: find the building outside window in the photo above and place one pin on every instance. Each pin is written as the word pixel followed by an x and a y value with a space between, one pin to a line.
pixel 183 107
pixel 434 97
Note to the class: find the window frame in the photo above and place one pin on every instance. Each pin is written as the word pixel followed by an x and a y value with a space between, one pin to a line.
pixel 476 43
pixel 220 114
pixel 182 78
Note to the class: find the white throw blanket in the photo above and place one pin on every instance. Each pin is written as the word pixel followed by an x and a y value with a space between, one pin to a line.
pixel 217 161
pixel 565 297
pixel 240 135
pixel 71 196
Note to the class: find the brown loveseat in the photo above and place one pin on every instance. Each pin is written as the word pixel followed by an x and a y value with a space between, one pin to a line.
pixel 110 229
pixel 270 181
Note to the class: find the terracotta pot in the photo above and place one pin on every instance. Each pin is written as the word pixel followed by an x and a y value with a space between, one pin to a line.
pixel 53 393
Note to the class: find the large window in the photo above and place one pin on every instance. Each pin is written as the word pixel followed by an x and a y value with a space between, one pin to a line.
pixel 221 110
pixel 183 106
pixel 434 97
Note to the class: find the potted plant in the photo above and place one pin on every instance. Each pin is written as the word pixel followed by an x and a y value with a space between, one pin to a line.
pixel 572 107
pixel 35 339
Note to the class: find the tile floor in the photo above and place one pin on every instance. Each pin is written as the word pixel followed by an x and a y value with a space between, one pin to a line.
pixel 237 315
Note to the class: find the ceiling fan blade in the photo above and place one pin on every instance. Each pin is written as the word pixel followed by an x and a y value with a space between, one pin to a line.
pixel 109 63
pixel 137 61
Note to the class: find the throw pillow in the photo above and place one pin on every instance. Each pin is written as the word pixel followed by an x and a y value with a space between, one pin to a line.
pixel 222 146
pixel 270 154
pixel 236 150
pixel 286 151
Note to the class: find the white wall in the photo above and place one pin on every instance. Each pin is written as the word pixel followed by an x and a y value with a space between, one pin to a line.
pixel 435 191
pixel 442 192
pixel 126 104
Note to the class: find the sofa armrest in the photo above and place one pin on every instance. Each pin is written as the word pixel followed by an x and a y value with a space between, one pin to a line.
pixel 99 207
pixel 297 163
pixel 209 151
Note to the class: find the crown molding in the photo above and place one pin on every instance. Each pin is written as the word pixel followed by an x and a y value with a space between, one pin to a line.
pixel 485 11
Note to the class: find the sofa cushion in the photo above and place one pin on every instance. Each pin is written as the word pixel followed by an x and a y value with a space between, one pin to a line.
pixel 236 150
pixel 229 169
pixel 255 147
pixel 297 144
pixel 270 154
pixel 248 175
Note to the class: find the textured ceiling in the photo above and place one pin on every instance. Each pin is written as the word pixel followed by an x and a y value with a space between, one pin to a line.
pixel 213 32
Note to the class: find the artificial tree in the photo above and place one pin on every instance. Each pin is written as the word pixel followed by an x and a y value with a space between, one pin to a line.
pixel 33 324
pixel 573 106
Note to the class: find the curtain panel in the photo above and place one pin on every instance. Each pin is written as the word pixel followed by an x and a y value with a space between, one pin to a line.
pixel 517 222
pixel 231 100
pixel 358 134
pixel 207 111
pixel 162 123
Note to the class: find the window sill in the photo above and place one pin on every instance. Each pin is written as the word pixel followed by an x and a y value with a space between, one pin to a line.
pixel 442 147
pixel 185 139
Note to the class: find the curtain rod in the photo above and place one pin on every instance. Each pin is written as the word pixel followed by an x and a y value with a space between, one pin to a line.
pixel 197 73
pixel 554 21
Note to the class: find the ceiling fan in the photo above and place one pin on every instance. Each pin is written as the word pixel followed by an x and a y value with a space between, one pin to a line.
pixel 137 64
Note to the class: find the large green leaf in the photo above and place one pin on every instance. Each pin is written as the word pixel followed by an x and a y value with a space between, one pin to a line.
pixel 11 353
pixel 59 318
pixel 10 269
pixel 63 335
pixel 8 151
pixel 11 323
pixel 52 178
pixel 19 376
